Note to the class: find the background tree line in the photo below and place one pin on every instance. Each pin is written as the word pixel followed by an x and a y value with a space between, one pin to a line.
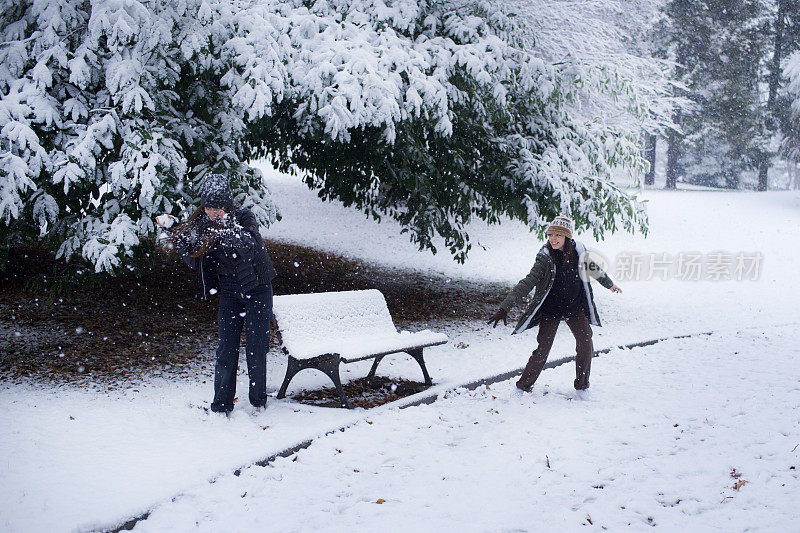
pixel 730 60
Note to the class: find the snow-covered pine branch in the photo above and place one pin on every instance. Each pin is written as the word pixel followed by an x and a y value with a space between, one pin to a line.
pixel 792 72
pixel 430 112
pixel 605 46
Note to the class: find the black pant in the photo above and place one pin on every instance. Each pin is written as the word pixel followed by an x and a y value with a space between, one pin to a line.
pixel 253 311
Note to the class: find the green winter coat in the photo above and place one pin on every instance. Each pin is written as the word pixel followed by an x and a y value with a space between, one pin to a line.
pixel 541 278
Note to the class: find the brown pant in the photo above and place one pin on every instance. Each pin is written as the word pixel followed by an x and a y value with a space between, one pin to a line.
pixel 579 324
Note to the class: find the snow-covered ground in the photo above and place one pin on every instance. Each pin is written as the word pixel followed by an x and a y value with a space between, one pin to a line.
pixel 79 460
pixel 689 435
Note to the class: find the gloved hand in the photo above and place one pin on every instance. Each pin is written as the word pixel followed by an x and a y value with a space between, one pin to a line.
pixel 501 314
pixel 183 242
pixel 228 232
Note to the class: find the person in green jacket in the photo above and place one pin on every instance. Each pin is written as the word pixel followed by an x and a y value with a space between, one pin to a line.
pixel 560 277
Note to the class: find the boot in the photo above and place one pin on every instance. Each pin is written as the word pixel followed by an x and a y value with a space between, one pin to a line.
pixel 531 372
pixel 583 365
pixel 581 384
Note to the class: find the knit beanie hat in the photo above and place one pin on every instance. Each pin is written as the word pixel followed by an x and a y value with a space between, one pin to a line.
pixel 561 225
pixel 217 193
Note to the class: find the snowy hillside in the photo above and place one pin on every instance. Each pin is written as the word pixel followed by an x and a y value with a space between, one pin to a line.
pixel 722 228
pixel 657 441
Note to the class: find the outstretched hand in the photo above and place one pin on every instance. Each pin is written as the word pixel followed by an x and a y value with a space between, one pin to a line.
pixel 614 288
pixel 501 314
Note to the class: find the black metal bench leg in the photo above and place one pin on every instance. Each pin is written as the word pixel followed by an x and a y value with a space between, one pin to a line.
pixel 374 367
pixel 417 355
pixel 330 365
pixel 292 368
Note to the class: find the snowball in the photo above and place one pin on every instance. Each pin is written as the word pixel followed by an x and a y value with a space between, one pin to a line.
pixel 165 221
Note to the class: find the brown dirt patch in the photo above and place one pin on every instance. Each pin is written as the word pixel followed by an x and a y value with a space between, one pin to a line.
pixel 59 323
pixel 362 392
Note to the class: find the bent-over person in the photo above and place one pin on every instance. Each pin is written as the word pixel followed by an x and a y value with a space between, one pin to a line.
pixel 222 242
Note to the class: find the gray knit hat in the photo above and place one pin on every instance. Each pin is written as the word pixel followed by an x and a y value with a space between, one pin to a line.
pixel 217 193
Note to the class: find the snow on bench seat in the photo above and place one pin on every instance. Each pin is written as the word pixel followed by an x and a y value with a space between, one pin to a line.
pixel 321 330
pixel 354 324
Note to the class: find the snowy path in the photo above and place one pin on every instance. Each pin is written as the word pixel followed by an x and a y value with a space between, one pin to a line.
pixel 661 441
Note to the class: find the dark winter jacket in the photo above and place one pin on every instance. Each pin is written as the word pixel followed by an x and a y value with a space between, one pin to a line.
pixel 566 294
pixel 541 278
pixel 238 262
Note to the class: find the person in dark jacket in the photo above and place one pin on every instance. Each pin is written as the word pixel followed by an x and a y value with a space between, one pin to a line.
pixel 223 243
pixel 560 277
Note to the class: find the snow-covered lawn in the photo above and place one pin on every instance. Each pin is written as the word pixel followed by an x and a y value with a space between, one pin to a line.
pixel 694 434
pixel 76 460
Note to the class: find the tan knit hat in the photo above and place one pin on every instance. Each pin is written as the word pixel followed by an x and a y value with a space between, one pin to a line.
pixel 561 225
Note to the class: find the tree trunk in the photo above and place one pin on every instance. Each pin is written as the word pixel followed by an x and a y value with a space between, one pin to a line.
pixel 774 82
pixel 650 155
pixel 777 55
pixel 763 172
pixel 673 153
pixel 734 180
pixel 673 138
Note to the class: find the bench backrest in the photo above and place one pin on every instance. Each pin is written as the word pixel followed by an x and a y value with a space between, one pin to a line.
pixel 306 320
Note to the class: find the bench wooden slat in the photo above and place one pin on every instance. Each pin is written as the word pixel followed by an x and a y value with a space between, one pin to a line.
pixel 389 352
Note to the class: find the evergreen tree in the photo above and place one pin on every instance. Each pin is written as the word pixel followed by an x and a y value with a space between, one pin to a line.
pixel 727 52
pixel 791 145
pixel 610 43
pixel 720 44
pixel 786 43
pixel 431 113
pixel 681 36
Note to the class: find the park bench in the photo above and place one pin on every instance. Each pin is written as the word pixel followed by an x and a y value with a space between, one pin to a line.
pixel 322 330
